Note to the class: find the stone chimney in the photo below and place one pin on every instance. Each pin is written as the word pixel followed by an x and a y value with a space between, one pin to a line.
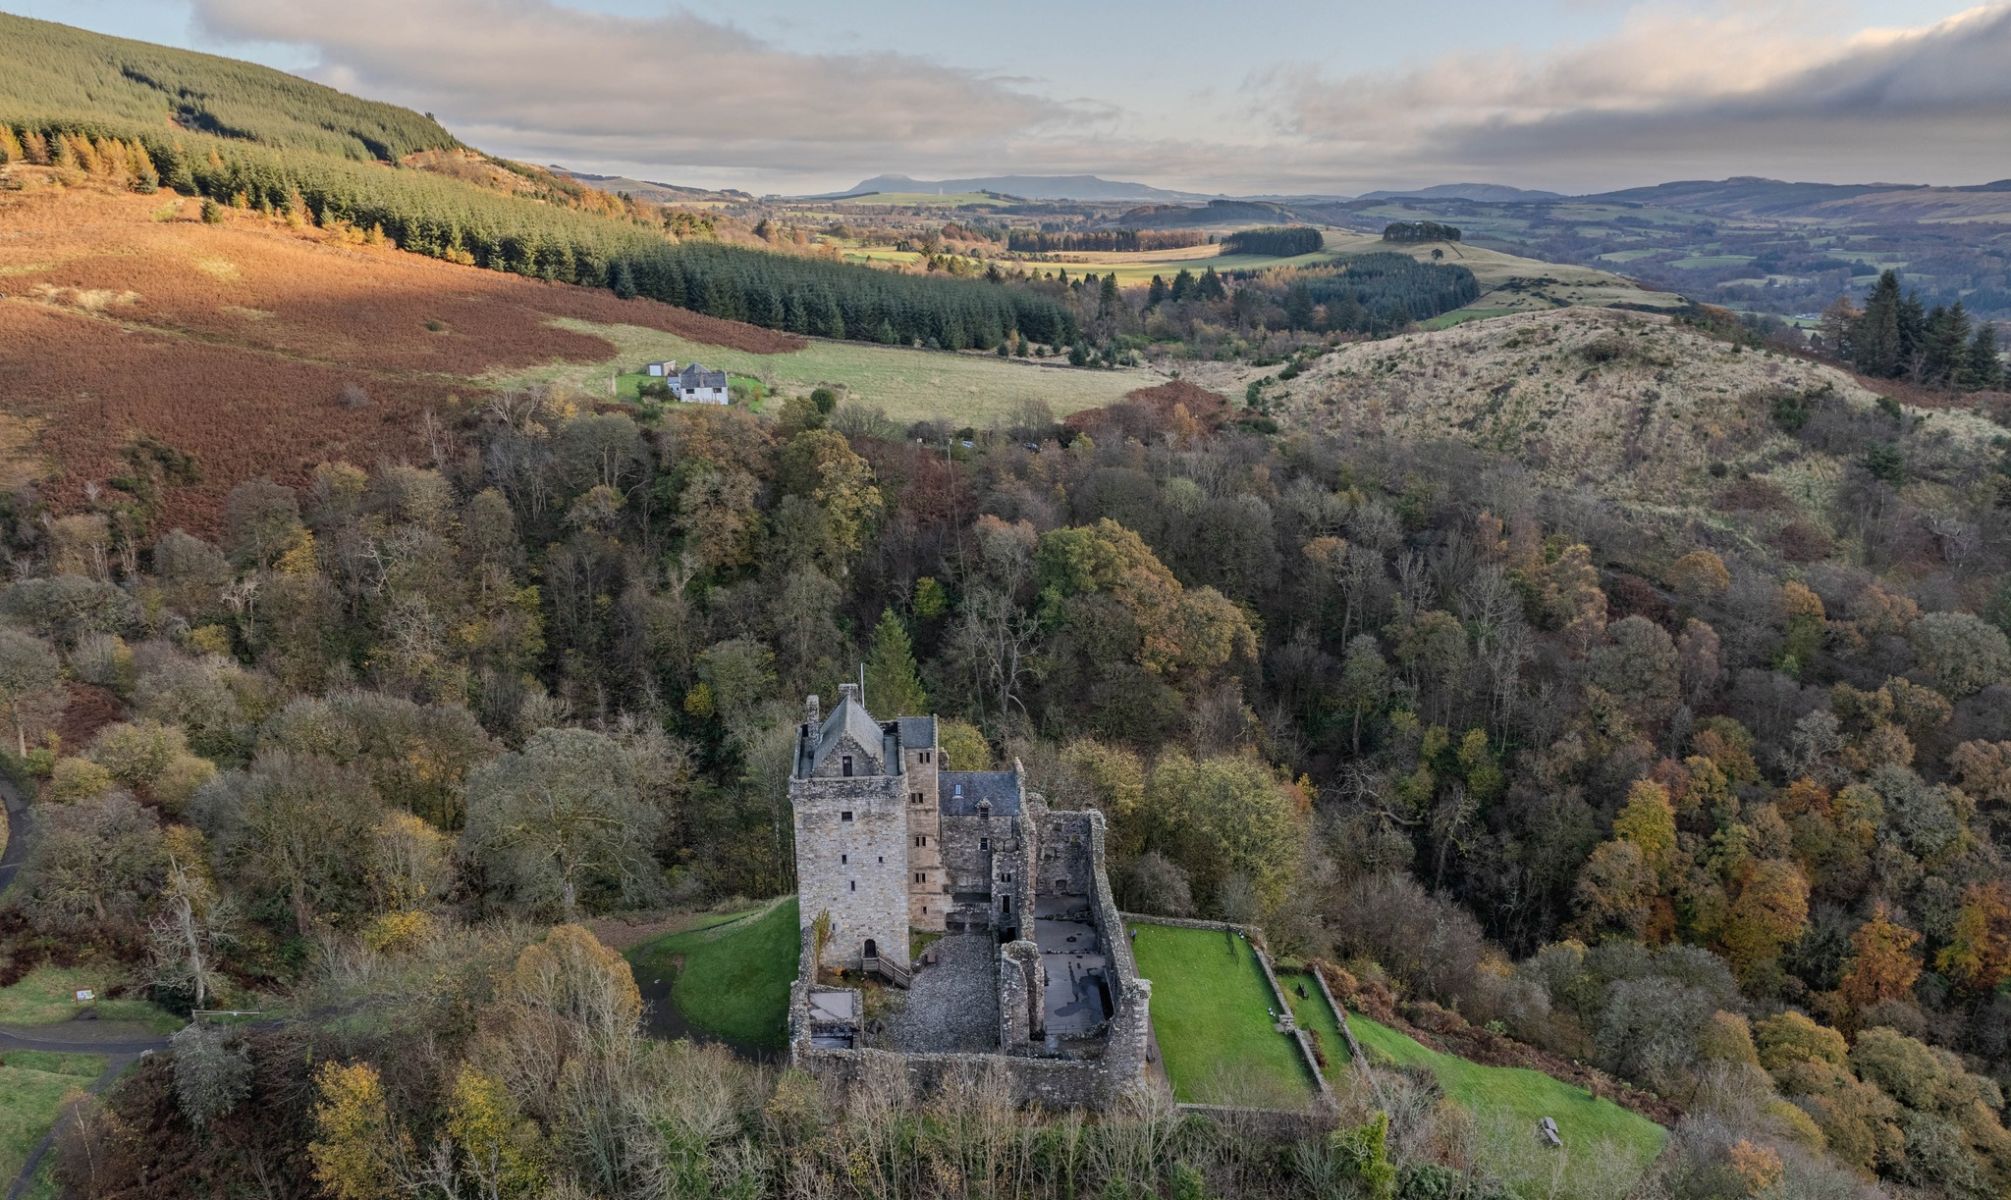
pixel 813 715
pixel 848 691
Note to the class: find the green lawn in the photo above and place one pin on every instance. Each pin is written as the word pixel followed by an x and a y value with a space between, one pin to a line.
pixel 1605 1146
pixel 46 995
pixel 33 1087
pixel 733 978
pixel 980 390
pixel 1210 1014
pixel 1312 1013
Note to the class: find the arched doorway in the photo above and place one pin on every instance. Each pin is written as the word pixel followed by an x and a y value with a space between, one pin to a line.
pixel 872 948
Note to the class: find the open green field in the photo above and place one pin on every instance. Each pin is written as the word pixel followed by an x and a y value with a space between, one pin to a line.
pixel 33 1086
pixel 1710 262
pixel 731 978
pixel 47 995
pixel 979 390
pixel 1139 268
pixel 1211 1016
pixel 1605 1146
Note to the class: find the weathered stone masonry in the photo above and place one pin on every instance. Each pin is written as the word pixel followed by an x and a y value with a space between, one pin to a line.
pixel 889 838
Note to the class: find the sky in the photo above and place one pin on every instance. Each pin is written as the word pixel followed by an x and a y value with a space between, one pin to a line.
pixel 1250 97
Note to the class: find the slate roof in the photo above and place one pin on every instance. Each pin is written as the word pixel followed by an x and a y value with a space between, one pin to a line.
pixel 917 733
pixel 851 717
pixel 695 376
pixel 962 790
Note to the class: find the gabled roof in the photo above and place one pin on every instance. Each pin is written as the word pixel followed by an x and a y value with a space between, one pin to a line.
pixel 695 376
pixel 849 717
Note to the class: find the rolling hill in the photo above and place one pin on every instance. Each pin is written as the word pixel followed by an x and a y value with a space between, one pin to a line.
pixel 1030 187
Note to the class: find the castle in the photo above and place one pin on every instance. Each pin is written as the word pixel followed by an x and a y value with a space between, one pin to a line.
pixel 1024 967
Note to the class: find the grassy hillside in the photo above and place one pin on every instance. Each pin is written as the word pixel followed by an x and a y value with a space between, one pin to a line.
pixel 132 135
pixel 730 979
pixel 51 71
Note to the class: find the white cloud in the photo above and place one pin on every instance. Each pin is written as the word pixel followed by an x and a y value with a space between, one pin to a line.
pixel 1736 91
pixel 1678 90
pixel 537 80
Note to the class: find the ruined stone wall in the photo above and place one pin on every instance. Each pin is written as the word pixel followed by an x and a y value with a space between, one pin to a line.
pixel 967 851
pixel 1051 1083
pixel 1068 854
pixel 1022 995
pixel 1013 867
pixel 856 867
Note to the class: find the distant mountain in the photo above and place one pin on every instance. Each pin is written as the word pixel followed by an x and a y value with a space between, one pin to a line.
pixel 1030 187
pixel 1215 212
pixel 650 189
pixel 1742 195
pixel 1484 193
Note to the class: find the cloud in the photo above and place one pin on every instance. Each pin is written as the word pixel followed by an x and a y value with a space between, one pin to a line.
pixel 1673 94
pixel 536 80
pixel 1677 90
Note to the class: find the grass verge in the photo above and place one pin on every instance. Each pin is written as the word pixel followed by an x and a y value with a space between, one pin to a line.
pixel 730 979
pixel 30 1098
pixel 1211 1016
pixel 47 996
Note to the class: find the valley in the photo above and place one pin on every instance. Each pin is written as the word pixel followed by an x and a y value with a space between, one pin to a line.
pixel 668 677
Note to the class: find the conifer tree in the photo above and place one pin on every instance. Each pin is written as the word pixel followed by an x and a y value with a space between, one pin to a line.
pixel 893 685
pixel 1983 369
pixel 1876 341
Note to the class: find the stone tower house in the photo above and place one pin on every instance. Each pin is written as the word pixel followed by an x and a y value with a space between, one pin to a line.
pixel 868 830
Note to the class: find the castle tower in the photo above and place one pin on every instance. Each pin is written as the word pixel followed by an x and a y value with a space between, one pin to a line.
pixel 849 791
pixel 928 880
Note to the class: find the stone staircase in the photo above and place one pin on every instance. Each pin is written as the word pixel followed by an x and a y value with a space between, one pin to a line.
pixel 888 970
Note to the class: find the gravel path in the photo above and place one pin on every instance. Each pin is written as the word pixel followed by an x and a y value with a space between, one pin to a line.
pixel 954 1003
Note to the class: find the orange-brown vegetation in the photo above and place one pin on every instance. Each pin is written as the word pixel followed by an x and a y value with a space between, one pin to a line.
pixel 1177 407
pixel 260 348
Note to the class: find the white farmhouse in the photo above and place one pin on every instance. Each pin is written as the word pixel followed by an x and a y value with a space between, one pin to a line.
pixel 696 385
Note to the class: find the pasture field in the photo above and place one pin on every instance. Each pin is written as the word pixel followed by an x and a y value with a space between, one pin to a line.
pixel 1710 262
pixel 1138 268
pixel 908 385
pixel 731 978
pixel 258 348
pixel 1211 1014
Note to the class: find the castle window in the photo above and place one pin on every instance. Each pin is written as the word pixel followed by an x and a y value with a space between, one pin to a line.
pixel 921 877
pixel 925 756
pixel 921 839
pixel 846 815
pixel 843 859
pixel 883 858
pixel 914 797
pixel 855 885
pixel 984 843
pixel 848 766
pixel 1005 904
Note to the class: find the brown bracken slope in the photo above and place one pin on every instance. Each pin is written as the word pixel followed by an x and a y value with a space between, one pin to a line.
pixel 259 348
